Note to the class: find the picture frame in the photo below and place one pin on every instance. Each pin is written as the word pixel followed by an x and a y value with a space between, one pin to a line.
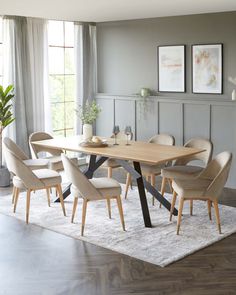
pixel 207 68
pixel 171 68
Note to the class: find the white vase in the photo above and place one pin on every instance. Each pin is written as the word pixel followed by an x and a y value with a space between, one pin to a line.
pixel 87 132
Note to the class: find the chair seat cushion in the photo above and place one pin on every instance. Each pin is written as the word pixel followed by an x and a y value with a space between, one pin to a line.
pixel 55 162
pixel 191 188
pixel 151 169
pixel 108 187
pixel 181 172
pixel 110 163
pixel 37 163
pixel 47 176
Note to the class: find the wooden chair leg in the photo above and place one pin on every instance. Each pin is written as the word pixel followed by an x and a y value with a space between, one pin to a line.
pixel 109 172
pixel 17 191
pixel 27 205
pixel 215 203
pixel 170 184
pixel 127 184
pixel 119 204
pixel 163 185
pixel 48 196
pixel 74 209
pixel 173 204
pixel 153 183
pixel 109 207
pixel 191 207
pixel 58 187
pixel 209 209
pixel 83 215
pixel 180 210
pixel 13 195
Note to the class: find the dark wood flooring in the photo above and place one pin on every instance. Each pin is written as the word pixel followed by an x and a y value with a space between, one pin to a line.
pixel 38 261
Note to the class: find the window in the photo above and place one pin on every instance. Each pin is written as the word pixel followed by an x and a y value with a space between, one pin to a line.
pixel 1 51
pixel 62 77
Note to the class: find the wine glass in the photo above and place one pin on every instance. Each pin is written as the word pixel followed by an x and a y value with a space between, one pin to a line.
pixel 116 130
pixel 128 133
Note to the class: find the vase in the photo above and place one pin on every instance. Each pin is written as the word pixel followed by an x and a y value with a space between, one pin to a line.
pixel 87 132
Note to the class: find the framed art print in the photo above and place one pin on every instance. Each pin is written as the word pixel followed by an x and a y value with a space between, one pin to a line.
pixel 171 68
pixel 207 68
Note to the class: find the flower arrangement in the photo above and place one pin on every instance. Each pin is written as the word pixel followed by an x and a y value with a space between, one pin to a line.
pixel 89 112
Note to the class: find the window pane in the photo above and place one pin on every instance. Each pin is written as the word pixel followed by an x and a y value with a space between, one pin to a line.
pixel 70 87
pixel 58 117
pixel 56 83
pixel 70 114
pixel 59 133
pixel 1 59
pixel 69 61
pixel 1 30
pixel 56 60
pixel 70 132
pixel 56 33
pixel 69 34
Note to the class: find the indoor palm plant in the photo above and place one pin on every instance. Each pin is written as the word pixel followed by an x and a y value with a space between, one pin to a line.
pixel 6 118
pixel 88 115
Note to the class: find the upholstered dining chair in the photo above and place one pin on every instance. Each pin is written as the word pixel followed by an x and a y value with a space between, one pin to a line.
pixel 183 169
pixel 111 164
pixel 31 163
pixel 151 171
pixel 91 190
pixel 207 186
pixel 30 180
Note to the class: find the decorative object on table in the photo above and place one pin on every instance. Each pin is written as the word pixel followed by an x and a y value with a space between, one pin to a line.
pixel 94 142
pixel 6 118
pixel 88 115
pixel 171 68
pixel 207 67
pixel 116 130
pixel 234 95
pixel 145 92
pixel 128 133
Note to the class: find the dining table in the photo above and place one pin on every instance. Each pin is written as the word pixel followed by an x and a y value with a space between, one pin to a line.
pixel 130 157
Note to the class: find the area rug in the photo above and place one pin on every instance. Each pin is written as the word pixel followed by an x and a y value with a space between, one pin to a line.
pixel 158 245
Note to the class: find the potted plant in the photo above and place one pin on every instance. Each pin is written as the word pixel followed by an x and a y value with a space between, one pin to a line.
pixel 6 118
pixel 88 114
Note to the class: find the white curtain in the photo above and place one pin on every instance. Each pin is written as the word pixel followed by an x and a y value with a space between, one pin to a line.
pixel 86 65
pixel 25 66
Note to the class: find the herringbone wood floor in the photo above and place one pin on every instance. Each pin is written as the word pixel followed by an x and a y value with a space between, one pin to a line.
pixel 37 261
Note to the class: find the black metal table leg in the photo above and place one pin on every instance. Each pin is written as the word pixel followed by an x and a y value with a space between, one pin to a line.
pixel 142 196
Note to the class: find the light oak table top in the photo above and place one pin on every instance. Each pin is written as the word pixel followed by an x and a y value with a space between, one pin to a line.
pixel 138 151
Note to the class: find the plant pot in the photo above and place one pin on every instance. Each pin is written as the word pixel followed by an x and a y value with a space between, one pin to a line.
pixel 5 177
pixel 87 132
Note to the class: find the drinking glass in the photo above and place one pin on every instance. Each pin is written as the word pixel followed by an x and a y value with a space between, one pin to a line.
pixel 128 133
pixel 116 130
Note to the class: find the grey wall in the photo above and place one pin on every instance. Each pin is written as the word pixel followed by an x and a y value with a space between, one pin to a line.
pixel 127 50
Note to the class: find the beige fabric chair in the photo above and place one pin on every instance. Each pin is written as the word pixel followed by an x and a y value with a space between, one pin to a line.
pixel 30 180
pixel 207 186
pixel 91 190
pixel 151 171
pixel 181 169
pixel 111 164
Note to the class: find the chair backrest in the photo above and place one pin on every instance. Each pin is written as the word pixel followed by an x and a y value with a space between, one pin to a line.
pixel 163 138
pixel 199 143
pixel 79 180
pixel 36 149
pixel 11 145
pixel 16 166
pixel 217 170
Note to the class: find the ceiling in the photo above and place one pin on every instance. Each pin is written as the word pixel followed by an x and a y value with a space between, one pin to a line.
pixel 110 10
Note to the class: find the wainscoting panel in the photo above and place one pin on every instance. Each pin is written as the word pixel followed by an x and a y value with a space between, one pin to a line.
pixel 223 134
pixel 183 118
pixel 196 121
pixel 171 120
pixel 146 119
pixel 125 114
pixel 105 121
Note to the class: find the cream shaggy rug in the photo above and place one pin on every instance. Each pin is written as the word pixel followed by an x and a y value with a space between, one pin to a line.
pixel 158 245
